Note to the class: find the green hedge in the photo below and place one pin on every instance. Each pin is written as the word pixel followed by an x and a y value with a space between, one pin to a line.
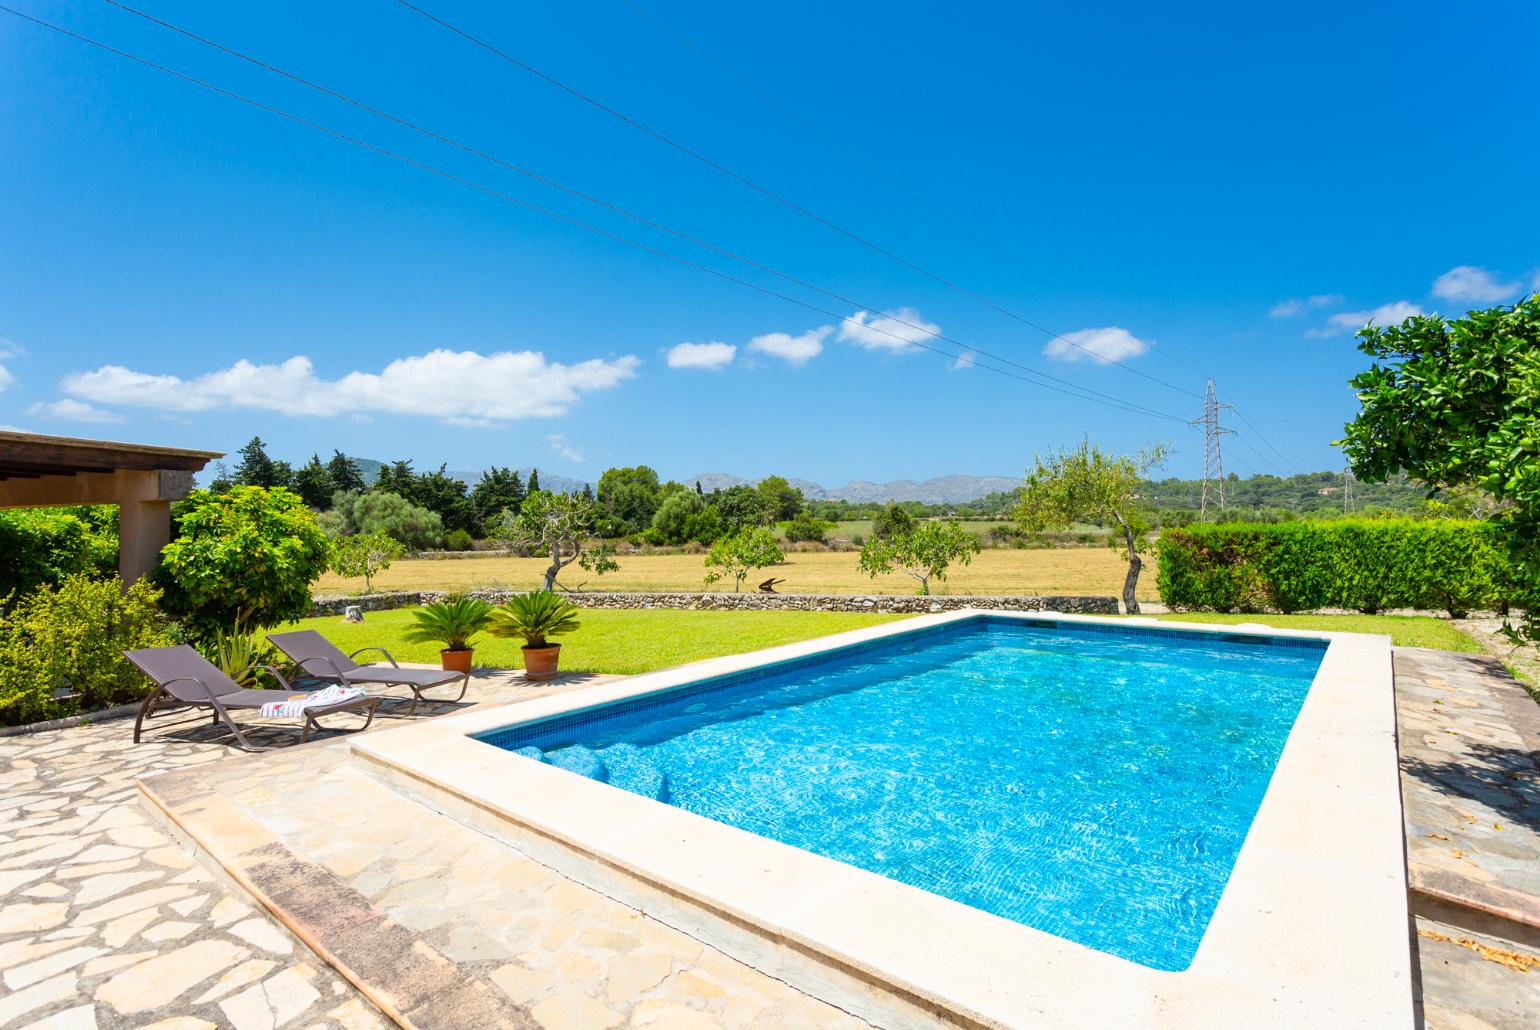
pixel 44 545
pixel 1363 565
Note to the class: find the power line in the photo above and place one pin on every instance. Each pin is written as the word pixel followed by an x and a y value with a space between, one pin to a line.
pixel 490 191
pixel 773 195
pixel 642 219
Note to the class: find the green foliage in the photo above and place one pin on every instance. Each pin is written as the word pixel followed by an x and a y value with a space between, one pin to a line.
pixel 314 484
pixel 742 553
pixel 452 622
pixel 704 527
pixel 781 500
pixel 1365 565
pixel 894 520
pixel 740 508
pixel 806 529
pixel 45 545
pixel 924 553
pixel 257 469
pixel 674 517
pixel 630 495
pixel 558 526
pixel 458 540
pixel 345 474
pixel 497 491
pixel 60 647
pixel 1456 403
pixel 365 554
pixel 239 654
pixel 534 617
pixel 415 527
pixel 244 557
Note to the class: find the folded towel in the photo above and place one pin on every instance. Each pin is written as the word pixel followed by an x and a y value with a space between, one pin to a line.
pixel 294 705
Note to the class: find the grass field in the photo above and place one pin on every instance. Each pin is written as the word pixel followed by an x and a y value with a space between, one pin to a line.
pixel 631 642
pixel 1066 570
pixel 1404 630
pixel 612 640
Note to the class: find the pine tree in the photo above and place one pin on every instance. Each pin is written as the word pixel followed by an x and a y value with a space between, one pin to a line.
pixel 344 474
pixel 534 481
pixel 257 469
pixel 314 484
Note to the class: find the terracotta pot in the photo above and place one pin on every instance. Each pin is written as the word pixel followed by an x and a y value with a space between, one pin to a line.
pixel 540 662
pixel 457 661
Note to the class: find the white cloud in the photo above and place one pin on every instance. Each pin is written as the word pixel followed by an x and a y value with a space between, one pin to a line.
pixel 701 355
pixel 1393 313
pixel 6 379
pixel 457 387
pixel 1534 284
pixel 967 359
pixel 75 411
pixel 794 350
pixel 1102 346
pixel 561 448
pixel 1467 282
pixel 1294 306
pixel 898 330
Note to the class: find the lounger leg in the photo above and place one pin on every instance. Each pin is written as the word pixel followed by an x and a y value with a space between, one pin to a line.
pixel 416 697
pixel 145 710
pixel 240 738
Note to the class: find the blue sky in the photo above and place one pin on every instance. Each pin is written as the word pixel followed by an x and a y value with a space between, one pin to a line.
pixel 1197 188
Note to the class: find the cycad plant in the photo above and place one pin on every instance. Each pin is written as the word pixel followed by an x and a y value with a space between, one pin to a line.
pixel 451 622
pixel 534 617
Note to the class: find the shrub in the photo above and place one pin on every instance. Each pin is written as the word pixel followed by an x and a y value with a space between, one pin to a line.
pixel 244 558
pixel 805 528
pixel 1365 565
pixel 415 527
pixel 60 647
pixel 45 545
pixel 458 540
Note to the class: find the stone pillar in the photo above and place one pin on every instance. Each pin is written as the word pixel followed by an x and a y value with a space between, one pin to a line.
pixel 144 527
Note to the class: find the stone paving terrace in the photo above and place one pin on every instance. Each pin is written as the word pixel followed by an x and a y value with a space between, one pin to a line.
pixel 108 921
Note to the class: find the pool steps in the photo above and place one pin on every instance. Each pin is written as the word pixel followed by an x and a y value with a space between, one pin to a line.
pixel 624 766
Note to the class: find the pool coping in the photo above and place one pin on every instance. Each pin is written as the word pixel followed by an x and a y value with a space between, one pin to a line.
pixel 1312 926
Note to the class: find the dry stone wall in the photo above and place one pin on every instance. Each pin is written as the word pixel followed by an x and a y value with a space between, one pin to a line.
pixel 757 602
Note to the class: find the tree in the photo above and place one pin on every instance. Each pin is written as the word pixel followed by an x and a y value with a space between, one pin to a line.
pixel 631 497
pixel 740 508
pixel 344 474
pixel 397 478
pixel 257 469
pixel 672 519
pixel 558 525
pixel 498 490
pixel 365 554
pixel 534 481
pixel 742 553
pixel 894 520
pixel 1456 403
pixel 805 528
pixel 924 552
pixel 445 496
pixel 782 500
pixel 314 484
pixel 244 558
pixel 391 514
pixel 1084 483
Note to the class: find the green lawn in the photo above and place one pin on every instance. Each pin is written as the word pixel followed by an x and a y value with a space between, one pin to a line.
pixel 613 640
pixel 1404 630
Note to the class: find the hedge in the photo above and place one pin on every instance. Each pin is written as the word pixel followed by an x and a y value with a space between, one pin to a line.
pixel 41 546
pixel 1367 565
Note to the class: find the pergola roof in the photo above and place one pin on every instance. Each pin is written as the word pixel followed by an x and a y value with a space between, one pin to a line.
pixel 30 456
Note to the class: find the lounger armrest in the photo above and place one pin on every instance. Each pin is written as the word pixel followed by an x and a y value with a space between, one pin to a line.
pixel 270 670
pixel 382 651
pixel 189 679
pixel 335 673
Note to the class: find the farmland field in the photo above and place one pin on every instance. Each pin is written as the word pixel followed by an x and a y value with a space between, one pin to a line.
pixel 1067 570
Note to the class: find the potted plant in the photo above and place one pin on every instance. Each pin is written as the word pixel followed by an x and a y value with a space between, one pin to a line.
pixel 451 622
pixel 535 617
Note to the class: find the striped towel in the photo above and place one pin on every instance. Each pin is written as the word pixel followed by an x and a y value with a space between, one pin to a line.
pixel 294 705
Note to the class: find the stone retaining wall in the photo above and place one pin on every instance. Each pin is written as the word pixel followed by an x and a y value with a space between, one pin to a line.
pixel 910 603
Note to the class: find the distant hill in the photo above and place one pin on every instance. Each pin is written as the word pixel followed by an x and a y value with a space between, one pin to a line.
pixel 548 480
pixel 941 490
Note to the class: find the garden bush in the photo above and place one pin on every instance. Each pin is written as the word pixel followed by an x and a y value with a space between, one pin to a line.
pixel 61 647
pixel 44 545
pixel 1364 565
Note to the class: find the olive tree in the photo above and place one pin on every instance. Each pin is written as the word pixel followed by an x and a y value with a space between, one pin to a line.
pixel 560 526
pixel 1455 402
pixel 1085 483
pixel 923 551
pixel 742 553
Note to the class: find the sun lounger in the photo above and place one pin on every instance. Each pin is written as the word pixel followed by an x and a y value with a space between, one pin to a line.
pixel 322 659
pixel 181 673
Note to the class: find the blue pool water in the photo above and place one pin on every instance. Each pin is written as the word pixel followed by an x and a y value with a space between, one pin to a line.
pixel 1094 783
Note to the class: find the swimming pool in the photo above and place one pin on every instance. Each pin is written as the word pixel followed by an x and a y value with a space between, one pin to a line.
pixel 1310 923
pixel 1094 785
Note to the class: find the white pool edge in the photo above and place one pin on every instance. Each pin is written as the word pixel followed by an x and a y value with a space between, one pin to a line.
pixel 1311 928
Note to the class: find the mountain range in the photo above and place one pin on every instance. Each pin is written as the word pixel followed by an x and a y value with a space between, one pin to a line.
pixel 940 490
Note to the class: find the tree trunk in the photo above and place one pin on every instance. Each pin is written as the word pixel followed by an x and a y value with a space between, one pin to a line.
pixel 1135 563
pixel 550 573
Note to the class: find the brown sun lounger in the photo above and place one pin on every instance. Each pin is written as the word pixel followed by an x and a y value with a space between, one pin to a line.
pixel 324 660
pixel 182 674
